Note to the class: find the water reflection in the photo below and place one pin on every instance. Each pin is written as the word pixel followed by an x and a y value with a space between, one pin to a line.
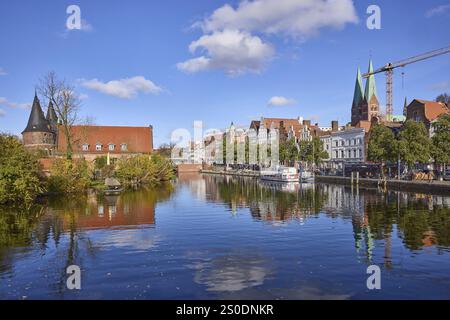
pixel 44 224
pixel 229 238
pixel 419 220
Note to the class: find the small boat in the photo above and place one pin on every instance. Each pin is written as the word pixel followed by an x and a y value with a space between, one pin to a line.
pixel 113 187
pixel 280 174
pixel 306 176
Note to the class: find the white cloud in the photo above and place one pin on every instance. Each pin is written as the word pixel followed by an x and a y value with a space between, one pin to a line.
pixel 230 50
pixel 437 11
pixel 14 105
pixel 278 101
pixel 232 36
pixel 445 85
pixel 3 72
pixel 293 17
pixel 127 88
pixel 2 113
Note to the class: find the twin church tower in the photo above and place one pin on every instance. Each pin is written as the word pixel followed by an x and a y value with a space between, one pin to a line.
pixel 365 106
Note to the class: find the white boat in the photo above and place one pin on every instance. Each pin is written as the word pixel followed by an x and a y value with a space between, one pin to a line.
pixel 306 176
pixel 280 174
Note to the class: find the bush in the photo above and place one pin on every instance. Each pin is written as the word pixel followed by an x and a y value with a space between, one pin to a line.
pixel 144 169
pixel 20 179
pixel 69 176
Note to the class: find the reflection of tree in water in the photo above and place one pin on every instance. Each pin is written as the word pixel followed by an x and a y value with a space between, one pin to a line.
pixel 16 226
pixel 46 224
pixel 420 220
pixel 269 202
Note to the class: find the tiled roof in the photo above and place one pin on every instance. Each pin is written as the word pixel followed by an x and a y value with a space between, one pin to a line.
pixel 433 109
pixel 137 139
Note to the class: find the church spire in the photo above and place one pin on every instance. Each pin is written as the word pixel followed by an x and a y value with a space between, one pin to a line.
pixel 358 94
pixel 405 107
pixel 371 88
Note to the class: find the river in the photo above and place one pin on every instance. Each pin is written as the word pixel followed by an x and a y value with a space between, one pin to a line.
pixel 215 237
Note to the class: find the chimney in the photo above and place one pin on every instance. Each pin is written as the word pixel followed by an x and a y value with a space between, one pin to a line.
pixel 334 126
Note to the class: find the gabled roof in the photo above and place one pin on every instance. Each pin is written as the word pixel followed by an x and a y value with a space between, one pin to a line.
pixel 433 109
pixel 37 121
pixel 371 88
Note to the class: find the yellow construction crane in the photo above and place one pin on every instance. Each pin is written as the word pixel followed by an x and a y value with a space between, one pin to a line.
pixel 388 69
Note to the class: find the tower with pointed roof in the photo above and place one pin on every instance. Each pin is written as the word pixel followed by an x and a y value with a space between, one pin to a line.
pixel 365 106
pixel 358 96
pixel 40 132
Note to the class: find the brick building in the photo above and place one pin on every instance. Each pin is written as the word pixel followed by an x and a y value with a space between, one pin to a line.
pixel 426 111
pixel 44 133
pixel 365 105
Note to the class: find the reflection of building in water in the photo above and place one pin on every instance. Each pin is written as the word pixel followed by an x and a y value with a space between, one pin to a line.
pixel 351 203
pixel 113 211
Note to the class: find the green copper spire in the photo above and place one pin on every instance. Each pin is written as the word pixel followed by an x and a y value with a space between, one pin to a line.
pixel 371 88
pixel 358 95
pixel 405 107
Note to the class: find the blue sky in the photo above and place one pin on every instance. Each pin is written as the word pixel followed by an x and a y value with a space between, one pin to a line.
pixel 132 63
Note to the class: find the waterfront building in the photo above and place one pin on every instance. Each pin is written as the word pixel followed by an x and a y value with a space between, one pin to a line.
pixel 45 133
pixel 41 132
pixel 344 147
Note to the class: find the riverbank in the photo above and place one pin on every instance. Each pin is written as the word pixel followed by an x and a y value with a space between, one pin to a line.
pixel 433 187
pixel 252 174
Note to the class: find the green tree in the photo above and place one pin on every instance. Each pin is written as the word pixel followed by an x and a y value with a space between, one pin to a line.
pixel 69 176
pixel 414 143
pixel 440 149
pixel 382 144
pixel 312 151
pixel 288 151
pixel 20 179
pixel 144 169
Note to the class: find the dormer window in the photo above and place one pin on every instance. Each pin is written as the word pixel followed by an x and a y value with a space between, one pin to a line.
pixel 85 147
pixel 123 147
pixel 111 146
pixel 98 147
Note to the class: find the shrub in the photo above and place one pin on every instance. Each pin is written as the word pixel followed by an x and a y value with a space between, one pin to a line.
pixel 69 176
pixel 144 169
pixel 20 179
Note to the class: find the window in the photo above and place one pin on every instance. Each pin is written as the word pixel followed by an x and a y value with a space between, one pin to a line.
pixel 123 147
pixel 85 147
pixel 111 147
pixel 98 147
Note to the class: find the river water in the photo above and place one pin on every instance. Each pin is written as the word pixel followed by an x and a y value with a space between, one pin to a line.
pixel 214 237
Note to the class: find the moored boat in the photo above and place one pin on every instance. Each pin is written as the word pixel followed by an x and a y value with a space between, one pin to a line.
pixel 280 174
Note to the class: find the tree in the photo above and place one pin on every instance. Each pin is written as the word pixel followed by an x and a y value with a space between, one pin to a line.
pixel 382 144
pixel 440 149
pixel 20 179
pixel 414 143
pixel 66 103
pixel 444 97
pixel 312 151
pixel 288 151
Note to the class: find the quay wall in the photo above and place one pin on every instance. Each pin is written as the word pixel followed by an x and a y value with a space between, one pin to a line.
pixel 433 187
